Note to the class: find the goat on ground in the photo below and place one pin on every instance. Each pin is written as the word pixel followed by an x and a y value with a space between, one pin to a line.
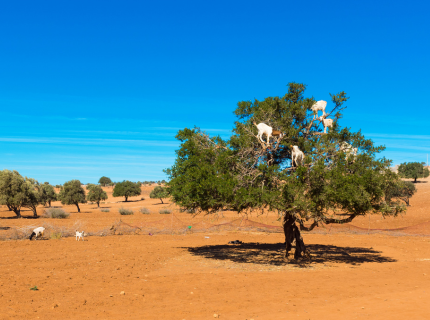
pixel 319 105
pixel 267 130
pixel 297 156
pixel 326 123
pixel 38 232
pixel 80 235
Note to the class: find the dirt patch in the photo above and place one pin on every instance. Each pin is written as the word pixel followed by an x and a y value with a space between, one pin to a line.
pixel 352 275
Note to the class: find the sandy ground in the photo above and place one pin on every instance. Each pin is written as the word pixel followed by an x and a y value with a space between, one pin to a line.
pixel 198 276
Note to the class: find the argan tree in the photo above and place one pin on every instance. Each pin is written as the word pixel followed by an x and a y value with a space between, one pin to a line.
pixel 72 193
pixel 126 189
pixel 46 193
pixel 246 174
pixel 105 181
pixel 413 170
pixel 17 192
pixel 96 194
pixel 159 193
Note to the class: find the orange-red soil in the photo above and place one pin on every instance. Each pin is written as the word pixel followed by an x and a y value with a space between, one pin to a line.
pixel 197 276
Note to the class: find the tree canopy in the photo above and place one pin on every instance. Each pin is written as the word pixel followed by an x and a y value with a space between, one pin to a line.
pixel 126 189
pixel 17 191
pixel 72 193
pixel 159 193
pixel 105 181
pixel 413 170
pixel 46 193
pixel 96 194
pixel 245 174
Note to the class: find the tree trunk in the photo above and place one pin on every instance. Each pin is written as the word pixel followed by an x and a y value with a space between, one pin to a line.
pixel 8 206
pixel 77 206
pixel 49 202
pixel 126 198
pixel 162 201
pixel 292 233
pixel 17 212
pixel 98 204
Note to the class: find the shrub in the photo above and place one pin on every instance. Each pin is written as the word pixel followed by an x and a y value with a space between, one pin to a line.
pixel 56 235
pixel 165 211
pixel 104 210
pixel 142 198
pixel 144 210
pixel 125 212
pixel 56 213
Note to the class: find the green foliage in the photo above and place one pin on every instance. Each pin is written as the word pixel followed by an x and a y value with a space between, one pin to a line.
pixel 125 212
pixel 245 174
pixel 159 193
pixel 105 181
pixel 56 213
pixel 96 194
pixel 56 235
pixel 34 288
pixel 72 193
pixel 46 194
pixel 402 190
pixel 17 192
pixel 413 170
pixel 144 211
pixel 126 189
pixel 165 211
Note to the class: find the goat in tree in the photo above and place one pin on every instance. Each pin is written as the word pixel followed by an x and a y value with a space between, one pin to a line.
pixel 319 105
pixel 267 130
pixel 327 123
pixel 297 156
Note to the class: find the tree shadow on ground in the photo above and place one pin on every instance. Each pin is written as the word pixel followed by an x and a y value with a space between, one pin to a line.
pixel 22 217
pixel 274 253
pixel 4 228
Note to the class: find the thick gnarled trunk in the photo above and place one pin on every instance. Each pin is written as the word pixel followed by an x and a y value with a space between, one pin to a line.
pixel 292 234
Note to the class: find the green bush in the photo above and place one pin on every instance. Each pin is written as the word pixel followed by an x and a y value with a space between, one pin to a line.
pixel 104 210
pixel 56 213
pixel 165 211
pixel 125 212
pixel 144 210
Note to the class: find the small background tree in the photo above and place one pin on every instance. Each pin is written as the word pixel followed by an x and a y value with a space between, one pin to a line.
pixel 72 193
pixel 413 170
pixel 126 189
pixel 46 194
pixel 159 193
pixel 96 194
pixel 17 192
pixel 403 190
pixel 105 181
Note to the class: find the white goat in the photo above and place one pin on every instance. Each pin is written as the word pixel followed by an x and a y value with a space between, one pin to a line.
pixel 297 156
pixel 267 130
pixel 319 105
pixel 80 235
pixel 326 123
pixel 38 232
pixel 348 149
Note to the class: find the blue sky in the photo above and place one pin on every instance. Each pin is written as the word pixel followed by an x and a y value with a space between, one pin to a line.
pixel 92 88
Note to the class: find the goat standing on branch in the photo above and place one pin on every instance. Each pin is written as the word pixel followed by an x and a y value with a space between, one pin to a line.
pixel 267 130
pixel 326 123
pixel 297 156
pixel 319 105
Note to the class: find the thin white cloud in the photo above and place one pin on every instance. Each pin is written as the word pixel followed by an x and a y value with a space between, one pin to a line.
pixel 87 141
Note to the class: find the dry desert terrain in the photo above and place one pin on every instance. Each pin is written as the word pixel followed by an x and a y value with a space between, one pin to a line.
pixel 374 268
